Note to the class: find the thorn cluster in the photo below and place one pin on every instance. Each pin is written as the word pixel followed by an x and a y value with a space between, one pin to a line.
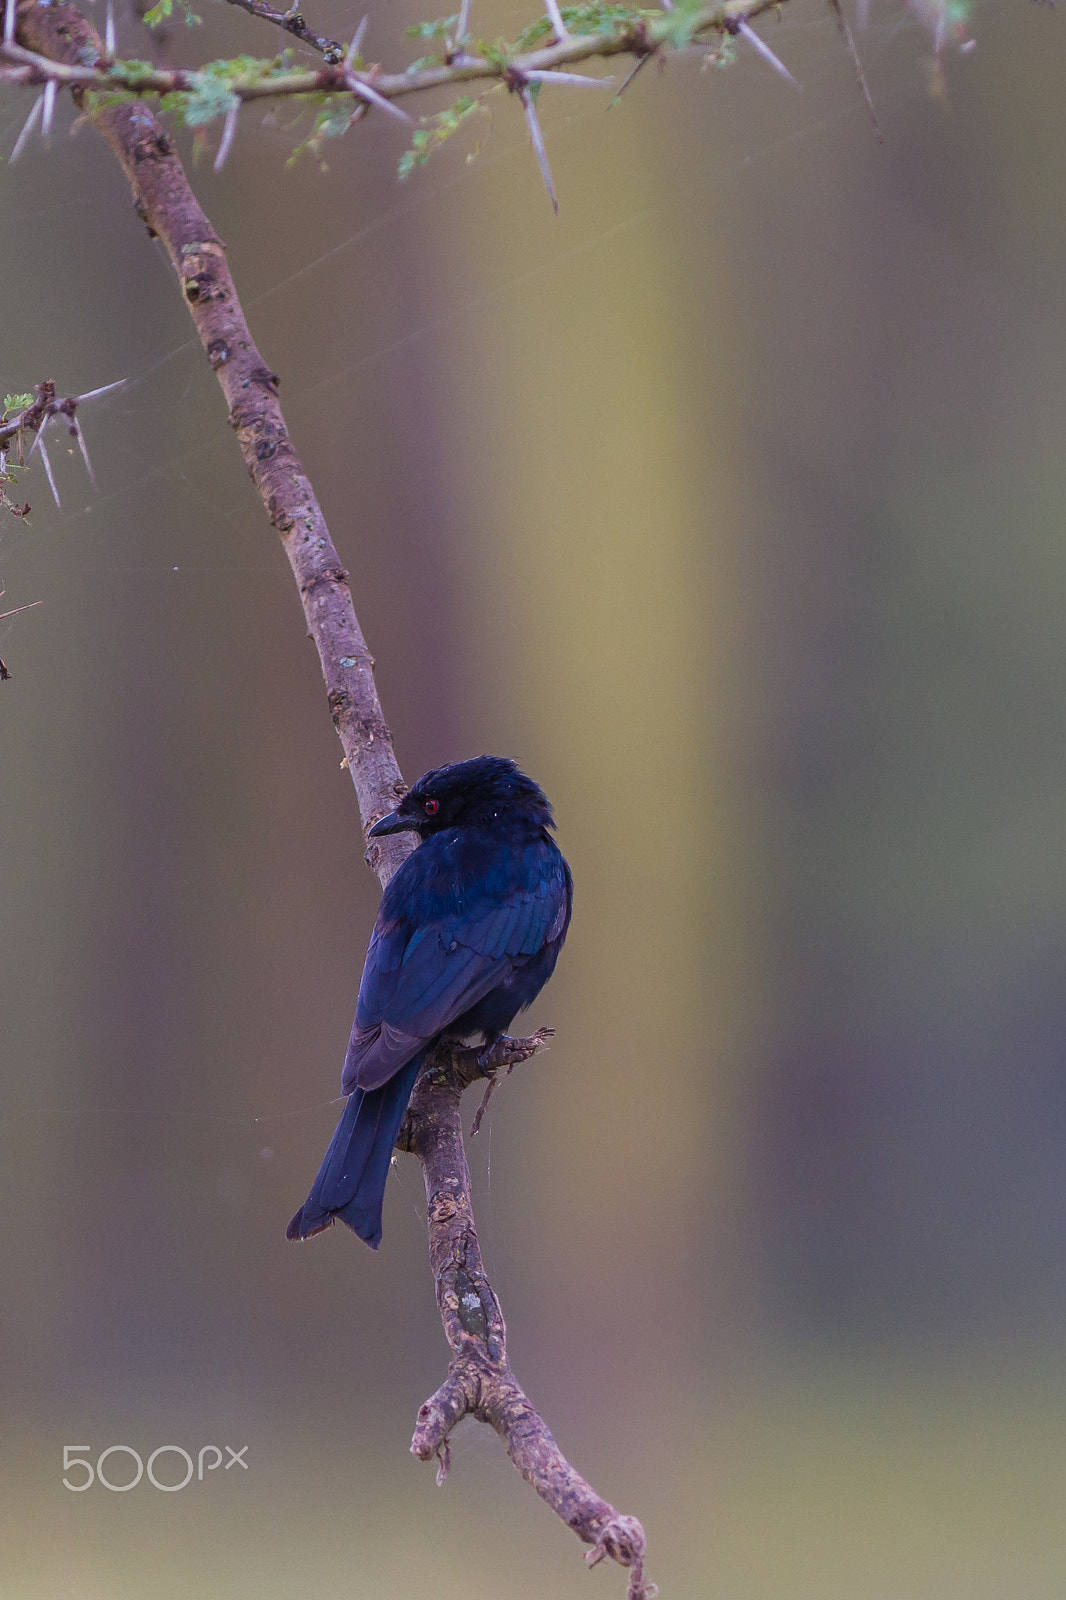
pixel 46 407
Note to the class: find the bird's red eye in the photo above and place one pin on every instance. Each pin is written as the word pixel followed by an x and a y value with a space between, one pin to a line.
pixel 431 807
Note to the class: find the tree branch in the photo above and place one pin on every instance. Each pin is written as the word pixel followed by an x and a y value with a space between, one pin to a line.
pixel 170 210
pixel 637 36
pixel 479 1381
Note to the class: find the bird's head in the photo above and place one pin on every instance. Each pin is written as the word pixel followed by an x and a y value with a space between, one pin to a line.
pixel 477 793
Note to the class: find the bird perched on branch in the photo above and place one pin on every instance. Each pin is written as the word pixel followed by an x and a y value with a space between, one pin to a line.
pixel 467 935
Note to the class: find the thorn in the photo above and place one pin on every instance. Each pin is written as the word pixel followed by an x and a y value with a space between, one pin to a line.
pixel 109 28
pixel 849 41
pixel 748 32
pixel 577 80
pixel 358 86
pixel 5 614
pixel 631 76
pixel 356 44
pixel 537 140
pixel 84 448
pixel 27 128
pixel 94 394
pixel 48 469
pixel 555 17
pixel 462 27
pixel 48 110
pixel 225 144
pixel 10 18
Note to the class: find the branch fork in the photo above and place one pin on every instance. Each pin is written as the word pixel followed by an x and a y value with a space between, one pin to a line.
pixel 480 1382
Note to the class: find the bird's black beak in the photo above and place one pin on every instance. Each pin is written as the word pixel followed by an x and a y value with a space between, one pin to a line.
pixel 395 822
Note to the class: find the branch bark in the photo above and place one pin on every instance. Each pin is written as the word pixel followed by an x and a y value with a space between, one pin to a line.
pixel 479 1381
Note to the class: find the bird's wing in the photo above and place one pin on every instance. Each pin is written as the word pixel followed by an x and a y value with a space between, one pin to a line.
pixel 419 977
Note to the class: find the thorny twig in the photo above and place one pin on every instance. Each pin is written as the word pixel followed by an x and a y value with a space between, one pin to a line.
pixel 32 420
pixel 294 22
pixel 623 36
pixel 633 35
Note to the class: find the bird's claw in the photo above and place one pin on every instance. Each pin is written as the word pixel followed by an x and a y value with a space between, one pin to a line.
pixel 505 1052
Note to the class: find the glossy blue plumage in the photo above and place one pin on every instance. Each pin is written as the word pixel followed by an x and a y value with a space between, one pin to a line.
pixel 466 936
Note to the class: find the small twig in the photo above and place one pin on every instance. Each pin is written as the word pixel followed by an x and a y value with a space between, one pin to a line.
pixel 293 22
pixel 46 405
pixel 849 41
pixel 490 1090
pixel 34 419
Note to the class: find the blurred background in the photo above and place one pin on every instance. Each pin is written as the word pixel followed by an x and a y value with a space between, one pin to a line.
pixel 731 503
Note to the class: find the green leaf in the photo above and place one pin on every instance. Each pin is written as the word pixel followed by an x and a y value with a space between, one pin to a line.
pixel 210 98
pixel 433 134
pixel 677 28
pixel 165 8
pixel 579 19
pixel 335 118
pixel 443 28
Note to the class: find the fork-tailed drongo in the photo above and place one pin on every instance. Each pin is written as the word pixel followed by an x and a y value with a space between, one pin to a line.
pixel 466 936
